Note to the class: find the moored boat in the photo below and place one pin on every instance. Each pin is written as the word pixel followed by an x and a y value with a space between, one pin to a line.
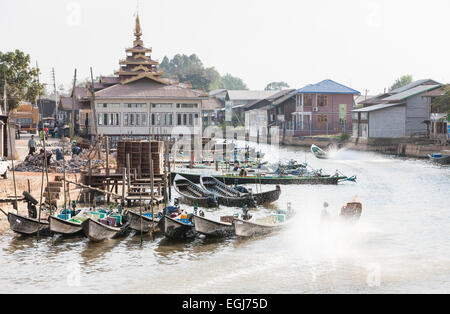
pixel 225 194
pixel 28 226
pixel 263 197
pixel 230 179
pixel 178 228
pixel 262 226
pixel 68 227
pixel 97 231
pixel 193 194
pixel 214 228
pixel 144 222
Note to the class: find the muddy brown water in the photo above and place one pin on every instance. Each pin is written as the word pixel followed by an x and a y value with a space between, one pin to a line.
pixel 401 243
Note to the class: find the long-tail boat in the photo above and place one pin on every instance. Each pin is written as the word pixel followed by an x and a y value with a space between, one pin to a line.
pixel 263 226
pixel 28 226
pixel 177 228
pixel 214 228
pixel 273 179
pixel 193 194
pixel 145 222
pixel 319 152
pixel 101 230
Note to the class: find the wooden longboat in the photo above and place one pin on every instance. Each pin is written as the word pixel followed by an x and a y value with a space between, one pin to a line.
pixel 214 228
pixel 148 223
pixel 28 226
pixel 97 231
pixel 319 152
pixel 65 227
pixel 175 229
pixel 266 179
pixel 265 197
pixel 193 194
pixel 251 228
pixel 225 194
pixel 440 158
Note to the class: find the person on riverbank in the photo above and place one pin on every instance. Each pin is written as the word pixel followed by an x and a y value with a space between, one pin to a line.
pixel 48 154
pixel 31 146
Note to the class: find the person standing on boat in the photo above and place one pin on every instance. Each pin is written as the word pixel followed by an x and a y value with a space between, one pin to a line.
pixel 324 215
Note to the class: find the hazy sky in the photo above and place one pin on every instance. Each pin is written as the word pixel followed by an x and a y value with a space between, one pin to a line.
pixel 365 44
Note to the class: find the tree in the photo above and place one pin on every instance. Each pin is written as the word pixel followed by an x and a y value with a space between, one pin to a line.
pixel 402 81
pixel 190 69
pixel 230 82
pixel 277 86
pixel 442 104
pixel 21 79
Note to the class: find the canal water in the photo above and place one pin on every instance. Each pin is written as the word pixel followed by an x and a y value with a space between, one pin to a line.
pixel 400 245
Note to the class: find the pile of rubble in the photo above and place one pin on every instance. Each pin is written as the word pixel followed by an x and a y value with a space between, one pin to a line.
pixel 75 164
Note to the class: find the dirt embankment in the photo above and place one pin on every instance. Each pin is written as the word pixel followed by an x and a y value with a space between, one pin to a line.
pixel 35 178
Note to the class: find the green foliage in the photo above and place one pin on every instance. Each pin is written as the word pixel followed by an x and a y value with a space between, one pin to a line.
pixel 277 86
pixel 190 69
pixel 442 104
pixel 402 81
pixel 344 136
pixel 230 82
pixel 21 79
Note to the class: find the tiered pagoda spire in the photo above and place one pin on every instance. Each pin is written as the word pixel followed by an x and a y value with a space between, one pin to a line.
pixel 138 63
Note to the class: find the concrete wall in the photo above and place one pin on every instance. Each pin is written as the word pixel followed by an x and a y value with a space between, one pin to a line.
pixel 387 123
pixel 417 110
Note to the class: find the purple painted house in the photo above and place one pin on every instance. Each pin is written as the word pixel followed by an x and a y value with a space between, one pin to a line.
pixel 322 108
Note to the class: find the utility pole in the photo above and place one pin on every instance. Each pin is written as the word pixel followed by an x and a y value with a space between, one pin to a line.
pixel 72 123
pixel 56 95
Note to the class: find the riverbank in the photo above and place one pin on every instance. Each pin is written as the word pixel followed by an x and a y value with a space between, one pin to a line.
pixel 415 148
pixel 22 178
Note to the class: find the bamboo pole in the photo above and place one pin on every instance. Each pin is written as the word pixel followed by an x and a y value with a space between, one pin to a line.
pixel 72 120
pixel 94 111
pixel 16 205
pixel 107 166
pixel 140 212
pixel 152 193
pixel 92 188
pixel 123 185
pixel 128 173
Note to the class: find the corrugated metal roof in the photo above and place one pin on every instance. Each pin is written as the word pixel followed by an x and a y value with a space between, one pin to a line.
pixel 414 84
pixel 326 87
pixel 411 92
pixel 249 94
pixel 149 88
pixel 377 107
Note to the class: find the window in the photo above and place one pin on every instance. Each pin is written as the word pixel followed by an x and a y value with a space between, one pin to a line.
pixel 307 99
pixel 135 105
pixel 162 105
pixel 135 119
pixel 355 115
pixel 108 119
pixel 179 119
pixel 364 116
pixel 108 105
pixel 187 106
pixel 170 119
pixel 322 120
pixel 322 100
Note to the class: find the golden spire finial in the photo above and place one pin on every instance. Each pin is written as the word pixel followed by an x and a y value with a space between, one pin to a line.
pixel 138 31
